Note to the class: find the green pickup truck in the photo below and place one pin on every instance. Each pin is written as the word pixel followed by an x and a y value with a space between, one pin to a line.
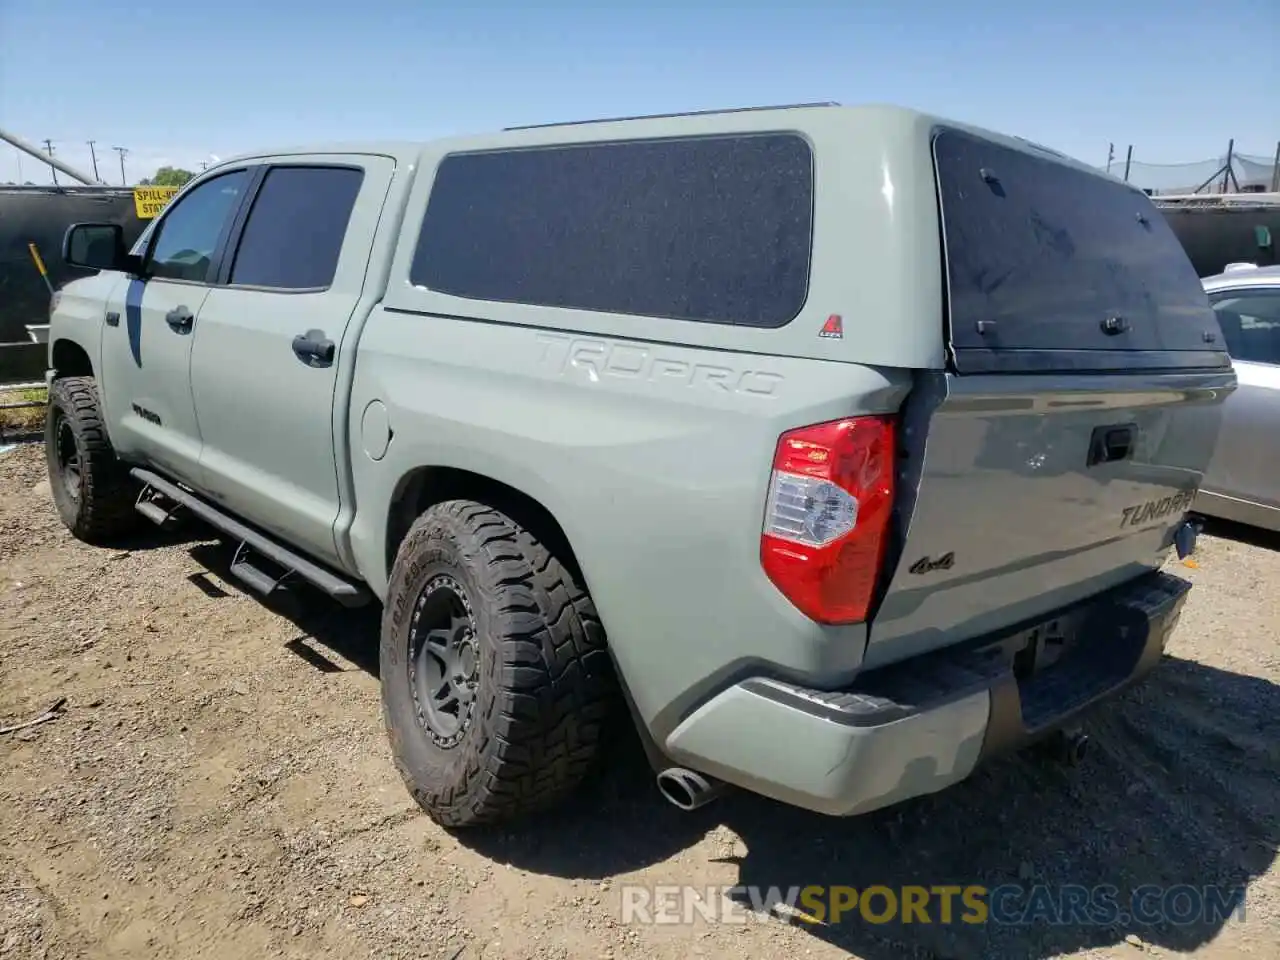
pixel 839 447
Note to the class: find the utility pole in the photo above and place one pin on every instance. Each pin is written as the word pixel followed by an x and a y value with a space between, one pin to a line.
pixel 1111 155
pixel 48 148
pixel 122 151
pixel 79 176
pixel 204 165
pixel 1128 161
pixel 94 155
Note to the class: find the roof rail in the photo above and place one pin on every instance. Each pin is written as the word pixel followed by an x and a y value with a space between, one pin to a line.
pixel 664 116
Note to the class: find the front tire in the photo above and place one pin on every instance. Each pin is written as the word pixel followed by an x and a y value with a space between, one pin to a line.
pixel 496 683
pixel 92 490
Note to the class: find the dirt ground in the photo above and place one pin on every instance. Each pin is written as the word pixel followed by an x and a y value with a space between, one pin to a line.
pixel 218 785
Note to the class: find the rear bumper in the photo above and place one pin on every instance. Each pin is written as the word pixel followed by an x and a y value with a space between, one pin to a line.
pixel 919 726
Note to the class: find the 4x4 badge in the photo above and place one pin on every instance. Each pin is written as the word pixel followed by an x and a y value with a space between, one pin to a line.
pixel 926 565
pixel 833 329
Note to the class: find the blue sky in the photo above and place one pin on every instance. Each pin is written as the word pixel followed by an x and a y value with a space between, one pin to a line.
pixel 183 82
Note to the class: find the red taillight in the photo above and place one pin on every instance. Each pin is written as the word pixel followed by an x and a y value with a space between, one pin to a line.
pixel 827 518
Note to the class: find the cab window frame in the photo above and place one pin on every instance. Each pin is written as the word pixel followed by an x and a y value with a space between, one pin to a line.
pixel 241 220
pixel 151 236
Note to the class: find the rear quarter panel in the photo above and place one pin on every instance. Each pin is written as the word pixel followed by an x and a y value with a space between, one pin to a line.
pixel 649 439
pixel 655 460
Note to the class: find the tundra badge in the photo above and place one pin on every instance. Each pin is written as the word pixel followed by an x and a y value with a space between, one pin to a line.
pixel 1143 513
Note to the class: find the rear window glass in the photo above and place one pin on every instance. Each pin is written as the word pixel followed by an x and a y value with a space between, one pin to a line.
pixel 713 229
pixel 294 234
pixel 1049 257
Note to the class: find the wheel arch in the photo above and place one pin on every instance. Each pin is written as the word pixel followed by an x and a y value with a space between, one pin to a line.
pixel 422 487
pixel 69 358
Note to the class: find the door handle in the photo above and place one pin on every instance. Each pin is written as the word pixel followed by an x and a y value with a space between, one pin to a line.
pixel 113 318
pixel 313 349
pixel 180 319
pixel 1111 443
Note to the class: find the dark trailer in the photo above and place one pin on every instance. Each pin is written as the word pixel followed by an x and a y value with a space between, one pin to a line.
pixel 41 215
pixel 1218 229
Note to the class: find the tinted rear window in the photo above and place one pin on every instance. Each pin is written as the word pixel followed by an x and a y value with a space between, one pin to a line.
pixel 295 230
pixel 710 229
pixel 1044 255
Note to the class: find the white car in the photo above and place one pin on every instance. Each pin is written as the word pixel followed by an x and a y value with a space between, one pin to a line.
pixel 1242 482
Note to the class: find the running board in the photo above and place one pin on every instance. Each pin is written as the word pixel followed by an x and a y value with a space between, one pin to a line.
pixel 153 510
pixel 346 592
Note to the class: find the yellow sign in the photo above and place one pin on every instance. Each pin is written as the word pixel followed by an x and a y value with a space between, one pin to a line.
pixel 149 201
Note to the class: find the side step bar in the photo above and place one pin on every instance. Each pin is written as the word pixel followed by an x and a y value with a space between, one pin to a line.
pixel 346 592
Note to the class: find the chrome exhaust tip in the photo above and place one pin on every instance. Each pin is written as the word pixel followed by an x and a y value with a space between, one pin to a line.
pixel 688 789
pixel 1076 749
pixel 1069 747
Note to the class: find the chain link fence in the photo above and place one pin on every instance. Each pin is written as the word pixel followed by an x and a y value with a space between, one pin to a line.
pixel 1243 173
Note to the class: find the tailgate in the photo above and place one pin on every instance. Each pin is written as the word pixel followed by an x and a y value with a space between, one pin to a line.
pixel 1059 453
pixel 1033 492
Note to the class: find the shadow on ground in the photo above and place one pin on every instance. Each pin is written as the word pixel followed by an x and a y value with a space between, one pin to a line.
pixel 150 537
pixel 1173 811
pixel 323 625
pixel 1177 792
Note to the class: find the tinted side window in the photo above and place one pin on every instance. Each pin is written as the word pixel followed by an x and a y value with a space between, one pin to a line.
pixel 188 234
pixel 295 230
pixel 711 228
pixel 1250 321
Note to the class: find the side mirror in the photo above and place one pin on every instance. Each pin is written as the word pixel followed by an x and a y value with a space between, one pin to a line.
pixel 97 246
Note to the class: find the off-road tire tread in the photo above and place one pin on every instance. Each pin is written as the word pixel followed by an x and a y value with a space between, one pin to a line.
pixel 535 733
pixel 107 493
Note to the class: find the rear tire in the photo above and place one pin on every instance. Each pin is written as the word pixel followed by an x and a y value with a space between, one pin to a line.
pixel 92 489
pixel 496 684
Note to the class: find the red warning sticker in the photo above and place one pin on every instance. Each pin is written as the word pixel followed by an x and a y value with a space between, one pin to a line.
pixel 833 329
